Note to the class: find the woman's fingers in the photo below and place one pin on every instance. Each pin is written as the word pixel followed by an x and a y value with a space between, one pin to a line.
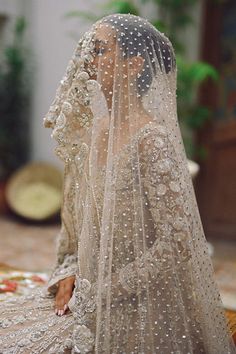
pixel 61 300
pixel 63 296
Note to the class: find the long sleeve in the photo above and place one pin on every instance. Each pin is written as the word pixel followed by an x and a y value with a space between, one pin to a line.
pixel 66 263
pixel 163 196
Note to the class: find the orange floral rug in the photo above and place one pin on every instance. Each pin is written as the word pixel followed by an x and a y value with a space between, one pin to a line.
pixel 16 282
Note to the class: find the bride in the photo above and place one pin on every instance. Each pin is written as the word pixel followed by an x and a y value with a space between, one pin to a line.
pixel 133 273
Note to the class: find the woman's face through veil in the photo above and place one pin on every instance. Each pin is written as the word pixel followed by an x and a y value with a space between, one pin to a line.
pixel 117 73
pixel 104 58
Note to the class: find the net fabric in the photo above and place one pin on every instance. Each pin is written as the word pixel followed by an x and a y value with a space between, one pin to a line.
pixel 131 230
pixel 145 281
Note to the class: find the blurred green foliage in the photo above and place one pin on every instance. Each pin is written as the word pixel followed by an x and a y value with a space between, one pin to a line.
pixel 173 17
pixel 14 103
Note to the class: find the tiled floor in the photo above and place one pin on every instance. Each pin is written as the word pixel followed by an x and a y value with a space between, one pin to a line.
pixel 32 246
pixel 27 246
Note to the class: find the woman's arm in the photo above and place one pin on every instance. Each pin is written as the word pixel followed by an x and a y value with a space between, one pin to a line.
pixel 164 197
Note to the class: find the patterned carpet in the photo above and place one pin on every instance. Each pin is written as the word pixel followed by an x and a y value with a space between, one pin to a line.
pixel 16 282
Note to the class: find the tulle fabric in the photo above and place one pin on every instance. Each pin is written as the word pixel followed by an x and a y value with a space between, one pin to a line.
pixel 131 230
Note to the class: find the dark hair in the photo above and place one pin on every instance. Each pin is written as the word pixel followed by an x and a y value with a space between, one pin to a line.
pixel 129 28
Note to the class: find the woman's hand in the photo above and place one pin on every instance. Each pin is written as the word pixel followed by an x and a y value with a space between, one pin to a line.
pixel 64 293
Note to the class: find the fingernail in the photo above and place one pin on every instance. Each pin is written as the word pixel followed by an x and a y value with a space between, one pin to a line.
pixel 56 311
pixel 65 307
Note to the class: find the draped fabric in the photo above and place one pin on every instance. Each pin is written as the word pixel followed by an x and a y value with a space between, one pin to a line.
pixel 131 232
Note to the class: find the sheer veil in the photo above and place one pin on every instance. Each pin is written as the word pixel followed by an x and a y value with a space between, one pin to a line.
pixel 144 278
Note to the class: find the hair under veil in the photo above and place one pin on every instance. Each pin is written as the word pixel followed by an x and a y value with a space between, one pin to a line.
pixel 144 278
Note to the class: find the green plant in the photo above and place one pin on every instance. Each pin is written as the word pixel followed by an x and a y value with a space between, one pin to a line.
pixel 172 17
pixel 14 104
pixel 192 115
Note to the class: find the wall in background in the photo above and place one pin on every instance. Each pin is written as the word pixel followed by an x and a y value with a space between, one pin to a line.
pixel 8 12
pixel 53 46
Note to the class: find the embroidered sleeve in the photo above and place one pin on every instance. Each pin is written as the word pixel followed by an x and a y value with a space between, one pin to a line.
pixel 66 239
pixel 163 196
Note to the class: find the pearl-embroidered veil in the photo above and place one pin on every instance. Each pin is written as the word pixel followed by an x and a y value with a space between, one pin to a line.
pixel 131 224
